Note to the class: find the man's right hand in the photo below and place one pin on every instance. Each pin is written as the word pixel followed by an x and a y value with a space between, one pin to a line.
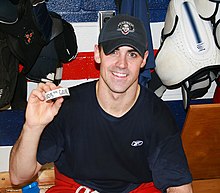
pixel 40 112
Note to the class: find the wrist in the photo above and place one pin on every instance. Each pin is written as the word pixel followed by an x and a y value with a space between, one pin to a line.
pixel 38 129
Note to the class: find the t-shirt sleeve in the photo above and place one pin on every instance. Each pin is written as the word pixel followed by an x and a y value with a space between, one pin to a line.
pixel 51 144
pixel 167 159
pixel 169 164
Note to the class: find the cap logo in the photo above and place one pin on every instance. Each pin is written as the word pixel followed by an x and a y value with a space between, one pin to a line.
pixel 125 27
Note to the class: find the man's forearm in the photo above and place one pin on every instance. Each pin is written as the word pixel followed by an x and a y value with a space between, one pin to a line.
pixel 23 164
pixel 187 188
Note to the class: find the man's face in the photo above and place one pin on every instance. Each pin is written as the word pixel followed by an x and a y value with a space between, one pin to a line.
pixel 120 69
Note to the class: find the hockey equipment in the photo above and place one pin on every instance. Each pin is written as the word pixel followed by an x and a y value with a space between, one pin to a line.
pixel 189 56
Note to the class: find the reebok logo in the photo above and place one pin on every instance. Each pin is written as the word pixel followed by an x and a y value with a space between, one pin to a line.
pixel 137 143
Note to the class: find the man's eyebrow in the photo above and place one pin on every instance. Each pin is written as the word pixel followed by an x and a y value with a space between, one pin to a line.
pixel 132 50
pixel 129 50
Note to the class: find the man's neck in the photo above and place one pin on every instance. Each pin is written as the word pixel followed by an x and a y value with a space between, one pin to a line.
pixel 117 104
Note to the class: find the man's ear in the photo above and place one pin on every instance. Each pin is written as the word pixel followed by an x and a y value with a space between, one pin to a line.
pixel 144 59
pixel 97 57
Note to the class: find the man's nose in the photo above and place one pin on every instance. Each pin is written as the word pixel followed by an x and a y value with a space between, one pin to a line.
pixel 122 61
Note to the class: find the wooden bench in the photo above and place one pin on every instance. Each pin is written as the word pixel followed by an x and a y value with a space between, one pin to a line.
pixel 45 179
pixel 201 142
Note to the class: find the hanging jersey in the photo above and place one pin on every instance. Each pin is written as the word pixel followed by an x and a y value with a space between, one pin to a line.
pixel 139 9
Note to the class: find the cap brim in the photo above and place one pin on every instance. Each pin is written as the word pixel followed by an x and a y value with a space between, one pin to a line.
pixel 111 45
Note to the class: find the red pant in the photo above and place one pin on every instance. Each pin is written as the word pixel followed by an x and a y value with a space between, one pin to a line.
pixel 216 98
pixel 64 184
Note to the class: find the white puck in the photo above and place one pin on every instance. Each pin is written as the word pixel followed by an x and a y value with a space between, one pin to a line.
pixel 60 92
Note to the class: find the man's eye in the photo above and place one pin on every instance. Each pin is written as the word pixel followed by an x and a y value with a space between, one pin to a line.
pixel 133 54
pixel 114 52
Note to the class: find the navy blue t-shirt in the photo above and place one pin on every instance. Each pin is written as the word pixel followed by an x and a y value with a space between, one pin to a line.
pixel 111 154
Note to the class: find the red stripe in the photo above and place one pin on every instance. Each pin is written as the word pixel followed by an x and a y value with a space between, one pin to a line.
pixel 82 67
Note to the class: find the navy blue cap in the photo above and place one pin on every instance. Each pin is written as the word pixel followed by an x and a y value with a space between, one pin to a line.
pixel 123 30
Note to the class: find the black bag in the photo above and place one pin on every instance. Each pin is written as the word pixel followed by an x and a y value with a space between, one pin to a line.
pixel 8 72
pixel 61 49
pixel 25 39
pixel 38 39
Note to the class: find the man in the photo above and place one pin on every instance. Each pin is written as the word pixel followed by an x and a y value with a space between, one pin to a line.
pixel 111 135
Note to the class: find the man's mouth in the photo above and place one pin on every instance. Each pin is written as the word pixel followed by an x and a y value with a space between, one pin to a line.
pixel 118 74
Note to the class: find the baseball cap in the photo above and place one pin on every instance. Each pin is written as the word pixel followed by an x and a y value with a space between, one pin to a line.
pixel 123 30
